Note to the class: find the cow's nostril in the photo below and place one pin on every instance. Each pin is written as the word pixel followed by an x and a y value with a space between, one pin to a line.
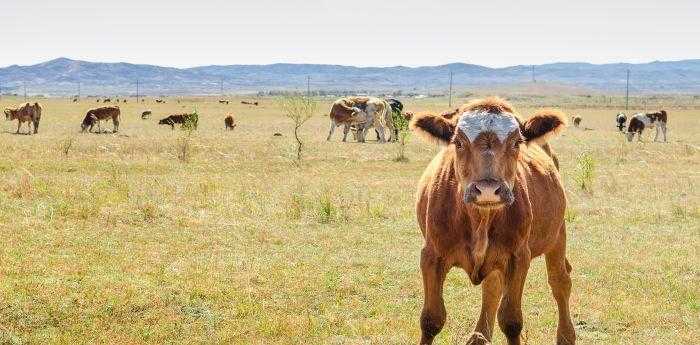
pixel 475 189
pixel 498 190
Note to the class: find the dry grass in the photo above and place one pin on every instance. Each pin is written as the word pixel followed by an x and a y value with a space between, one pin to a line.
pixel 116 239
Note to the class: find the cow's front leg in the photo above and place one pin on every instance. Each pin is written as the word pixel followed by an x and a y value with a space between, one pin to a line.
pixel 432 318
pixel 491 290
pixel 19 124
pixel 510 314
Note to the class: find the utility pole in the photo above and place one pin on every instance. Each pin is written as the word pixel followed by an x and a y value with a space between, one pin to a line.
pixel 627 93
pixel 450 99
pixel 308 86
pixel 137 91
pixel 533 74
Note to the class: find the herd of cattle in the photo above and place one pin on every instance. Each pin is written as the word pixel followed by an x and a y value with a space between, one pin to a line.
pixel 356 114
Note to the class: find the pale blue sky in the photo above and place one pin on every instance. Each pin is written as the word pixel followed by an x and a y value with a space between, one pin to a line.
pixel 360 33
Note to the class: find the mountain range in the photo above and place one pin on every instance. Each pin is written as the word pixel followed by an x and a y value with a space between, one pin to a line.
pixel 63 76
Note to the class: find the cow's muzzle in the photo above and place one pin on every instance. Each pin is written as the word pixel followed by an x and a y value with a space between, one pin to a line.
pixel 488 193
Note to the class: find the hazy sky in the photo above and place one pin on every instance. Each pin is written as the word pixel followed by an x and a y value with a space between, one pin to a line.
pixel 357 32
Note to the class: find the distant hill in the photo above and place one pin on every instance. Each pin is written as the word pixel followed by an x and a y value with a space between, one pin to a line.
pixel 61 77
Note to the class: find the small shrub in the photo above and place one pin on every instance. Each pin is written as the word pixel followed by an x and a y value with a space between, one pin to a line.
pixel 401 124
pixel 66 144
pixel 326 209
pixel 184 149
pixel 585 171
pixel 299 110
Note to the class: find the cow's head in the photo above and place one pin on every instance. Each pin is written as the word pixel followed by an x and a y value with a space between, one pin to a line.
pixel 88 121
pixel 8 114
pixel 487 138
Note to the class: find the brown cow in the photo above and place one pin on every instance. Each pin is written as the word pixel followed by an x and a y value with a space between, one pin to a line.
pixel 26 112
pixel 223 101
pixel 95 116
pixel 489 202
pixel 182 119
pixel 250 103
pixel 229 122
pixel 576 120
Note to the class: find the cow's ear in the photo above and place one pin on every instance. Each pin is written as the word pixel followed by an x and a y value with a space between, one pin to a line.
pixel 544 125
pixel 433 128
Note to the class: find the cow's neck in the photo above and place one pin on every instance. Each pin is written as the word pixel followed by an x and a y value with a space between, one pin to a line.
pixel 481 221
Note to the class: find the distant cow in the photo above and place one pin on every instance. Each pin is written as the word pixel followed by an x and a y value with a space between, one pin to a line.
pixel 160 101
pixel 576 120
pixel 229 122
pixel 97 115
pixel 641 121
pixel 621 120
pixel 250 103
pixel 26 112
pixel 364 113
pixel 146 114
pixel 223 101
pixel 181 119
pixel 490 201
pixel 75 100
pixel 107 100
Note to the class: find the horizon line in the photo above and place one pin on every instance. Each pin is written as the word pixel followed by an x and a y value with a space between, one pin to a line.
pixel 343 65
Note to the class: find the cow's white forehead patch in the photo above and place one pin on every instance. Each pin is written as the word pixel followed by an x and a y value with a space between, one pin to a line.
pixel 474 123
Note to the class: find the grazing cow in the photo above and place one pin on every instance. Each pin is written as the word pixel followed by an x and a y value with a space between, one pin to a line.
pixel 97 100
pixel 576 120
pixel 160 101
pixel 26 112
pixel 621 120
pixel 97 115
pixel 277 134
pixel 250 103
pixel 107 100
pixel 123 100
pixel 489 202
pixel 223 101
pixel 362 112
pixel 181 119
pixel 75 100
pixel 660 118
pixel 641 121
pixel 229 122
pixel 146 114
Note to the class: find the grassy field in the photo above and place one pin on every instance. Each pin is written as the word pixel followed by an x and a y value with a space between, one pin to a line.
pixel 120 239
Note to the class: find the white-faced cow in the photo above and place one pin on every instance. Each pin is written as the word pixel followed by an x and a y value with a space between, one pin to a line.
pixel 97 115
pixel 26 112
pixel 489 202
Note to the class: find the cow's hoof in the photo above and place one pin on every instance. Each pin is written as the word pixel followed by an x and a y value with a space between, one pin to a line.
pixel 477 339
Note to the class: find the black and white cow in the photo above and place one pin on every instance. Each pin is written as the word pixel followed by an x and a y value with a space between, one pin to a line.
pixel 641 121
